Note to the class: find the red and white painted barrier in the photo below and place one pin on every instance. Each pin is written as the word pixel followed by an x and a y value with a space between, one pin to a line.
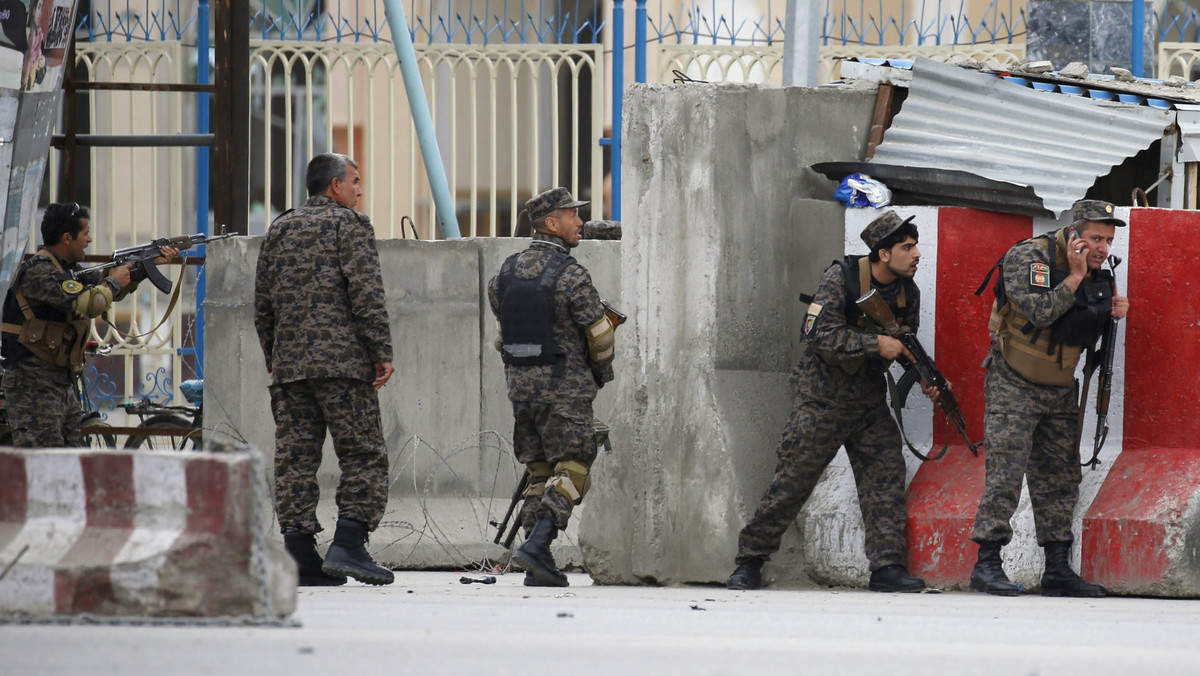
pixel 116 533
pixel 1136 524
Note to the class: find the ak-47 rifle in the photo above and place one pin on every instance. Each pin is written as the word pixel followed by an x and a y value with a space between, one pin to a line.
pixel 1101 360
pixel 613 314
pixel 874 306
pixel 512 506
pixel 142 256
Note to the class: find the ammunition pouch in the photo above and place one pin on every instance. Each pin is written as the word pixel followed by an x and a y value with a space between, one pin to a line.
pixel 1082 325
pixel 60 344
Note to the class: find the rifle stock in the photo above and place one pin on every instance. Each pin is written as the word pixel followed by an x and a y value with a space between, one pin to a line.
pixel 614 315
pixel 874 306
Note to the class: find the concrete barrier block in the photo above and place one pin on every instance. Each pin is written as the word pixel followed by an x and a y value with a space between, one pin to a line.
pixel 1140 535
pixel 128 534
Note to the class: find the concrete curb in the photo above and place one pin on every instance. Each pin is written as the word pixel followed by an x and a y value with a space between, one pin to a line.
pixel 123 534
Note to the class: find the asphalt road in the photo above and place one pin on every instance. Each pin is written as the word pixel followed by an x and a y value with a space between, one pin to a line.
pixel 429 623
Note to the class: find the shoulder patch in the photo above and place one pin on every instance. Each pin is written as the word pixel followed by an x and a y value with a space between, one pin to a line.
pixel 72 287
pixel 1039 275
pixel 810 318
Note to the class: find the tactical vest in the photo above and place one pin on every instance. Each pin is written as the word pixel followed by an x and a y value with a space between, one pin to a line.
pixel 56 337
pixel 527 314
pixel 856 273
pixel 1048 356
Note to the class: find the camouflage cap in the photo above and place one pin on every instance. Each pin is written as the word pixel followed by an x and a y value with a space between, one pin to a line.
pixel 543 204
pixel 1096 210
pixel 878 229
pixel 601 230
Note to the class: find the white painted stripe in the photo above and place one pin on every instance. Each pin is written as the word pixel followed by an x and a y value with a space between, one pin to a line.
pixel 56 517
pixel 160 487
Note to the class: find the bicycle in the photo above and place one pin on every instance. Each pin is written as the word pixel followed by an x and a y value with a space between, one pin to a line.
pixel 162 424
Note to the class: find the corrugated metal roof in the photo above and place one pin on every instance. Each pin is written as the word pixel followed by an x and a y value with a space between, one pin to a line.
pixel 962 138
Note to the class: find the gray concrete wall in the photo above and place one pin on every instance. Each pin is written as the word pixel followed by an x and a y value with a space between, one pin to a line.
pixel 446 417
pixel 725 226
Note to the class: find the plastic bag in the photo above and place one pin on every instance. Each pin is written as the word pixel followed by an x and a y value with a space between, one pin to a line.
pixel 859 191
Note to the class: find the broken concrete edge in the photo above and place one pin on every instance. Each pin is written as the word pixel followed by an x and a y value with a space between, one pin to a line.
pixel 124 535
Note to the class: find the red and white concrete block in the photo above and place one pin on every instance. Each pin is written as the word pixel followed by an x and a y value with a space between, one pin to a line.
pixel 129 534
pixel 1137 525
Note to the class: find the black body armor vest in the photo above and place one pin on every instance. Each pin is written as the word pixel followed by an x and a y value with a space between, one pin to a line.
pixel 527 314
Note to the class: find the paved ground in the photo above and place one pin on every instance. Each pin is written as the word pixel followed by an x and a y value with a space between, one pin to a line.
pixel 429 623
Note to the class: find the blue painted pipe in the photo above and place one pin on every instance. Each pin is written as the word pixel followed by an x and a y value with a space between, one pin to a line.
pixel 407 56
pixel 202 173
pixel 639 41
pixel 1139 38
pixel 617 97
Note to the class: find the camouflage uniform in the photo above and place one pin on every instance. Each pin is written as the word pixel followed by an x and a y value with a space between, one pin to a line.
pixel 41 399
pixel 553 411
pixel 1029 429
pixel 323 325
pixel 832 408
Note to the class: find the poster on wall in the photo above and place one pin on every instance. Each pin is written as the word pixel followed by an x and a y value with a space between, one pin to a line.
pixel 48 37
pixel 35 37
pixel 14 41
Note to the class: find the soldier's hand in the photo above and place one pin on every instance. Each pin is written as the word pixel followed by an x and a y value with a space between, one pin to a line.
pixel 932 392
pixel 890 348
pixel 1120 307
pixel 121 274
pixel 1077 255
pixel 168 252
pixel 383 371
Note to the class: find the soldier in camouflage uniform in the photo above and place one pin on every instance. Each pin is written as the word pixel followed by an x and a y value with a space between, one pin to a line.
pixel 1052 301
pixel 840 399
pixel 557 345
pixel 40 378
pixel 321 320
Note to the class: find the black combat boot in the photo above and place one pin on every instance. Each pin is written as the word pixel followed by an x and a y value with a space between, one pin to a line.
pixel 534 555
pixel 988 575
pixel 303 548
pixel 895 578
pixel 348 555
pixel 748 574
pixel 1060 580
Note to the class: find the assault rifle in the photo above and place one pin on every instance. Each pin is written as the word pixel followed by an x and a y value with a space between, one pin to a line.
pixel 1101 359
pixel 512 506
pixel 874 306
pixel 613 314
pixel 142 256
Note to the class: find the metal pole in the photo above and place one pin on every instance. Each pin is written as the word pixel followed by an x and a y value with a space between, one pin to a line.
pixel 202 172
pixel 1139 37
pixel 402 40
pixel 639 42
pixel 618 76
pixel 801 48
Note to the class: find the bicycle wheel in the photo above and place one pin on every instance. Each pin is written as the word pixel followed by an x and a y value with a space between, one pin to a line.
pixel 99 439
pixel 159 442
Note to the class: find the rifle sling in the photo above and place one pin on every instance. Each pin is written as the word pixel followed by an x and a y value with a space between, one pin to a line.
pixel 163 320
pixel 895 398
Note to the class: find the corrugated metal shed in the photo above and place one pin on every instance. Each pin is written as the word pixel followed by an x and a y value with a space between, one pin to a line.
pixel 964 138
